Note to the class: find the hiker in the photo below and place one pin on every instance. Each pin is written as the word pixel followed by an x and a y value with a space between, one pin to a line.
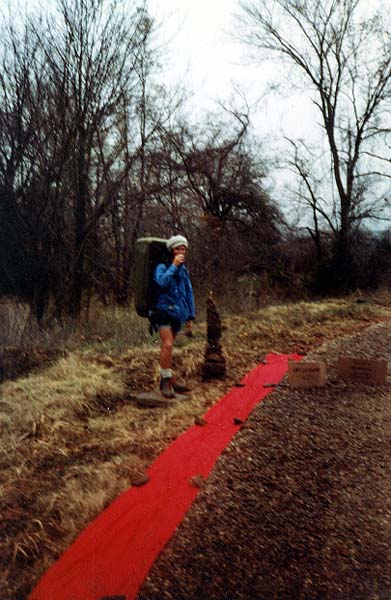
pixel 173 307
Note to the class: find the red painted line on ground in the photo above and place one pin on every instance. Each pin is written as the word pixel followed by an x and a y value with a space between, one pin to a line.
pixel 114 554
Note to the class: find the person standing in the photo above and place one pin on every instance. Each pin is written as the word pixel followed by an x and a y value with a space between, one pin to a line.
pixel 173 307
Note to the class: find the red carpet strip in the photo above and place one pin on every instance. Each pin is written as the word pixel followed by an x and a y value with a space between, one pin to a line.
pixel 112 557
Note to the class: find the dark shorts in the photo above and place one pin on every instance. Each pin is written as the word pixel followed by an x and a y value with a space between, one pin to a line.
pixel 159 318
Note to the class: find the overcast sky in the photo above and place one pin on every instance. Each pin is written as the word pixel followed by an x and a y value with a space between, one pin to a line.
pixel 198 33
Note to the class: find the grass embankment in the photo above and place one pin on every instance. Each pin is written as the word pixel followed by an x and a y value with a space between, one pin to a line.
pixel 71 438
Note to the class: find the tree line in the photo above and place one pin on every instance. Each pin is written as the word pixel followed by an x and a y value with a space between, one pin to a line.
pixel 95 152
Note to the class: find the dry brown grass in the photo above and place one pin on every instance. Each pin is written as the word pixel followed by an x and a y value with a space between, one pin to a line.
pixel 71 438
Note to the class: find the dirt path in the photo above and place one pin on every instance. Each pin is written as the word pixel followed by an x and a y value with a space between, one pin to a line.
pixel 299 504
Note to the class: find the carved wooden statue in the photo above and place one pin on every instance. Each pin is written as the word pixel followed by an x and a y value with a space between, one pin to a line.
pixel 214 364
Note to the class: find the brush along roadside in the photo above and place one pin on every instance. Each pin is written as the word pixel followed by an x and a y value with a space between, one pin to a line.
pixel 71 440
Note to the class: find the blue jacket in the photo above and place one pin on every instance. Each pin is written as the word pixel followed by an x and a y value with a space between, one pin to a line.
pixel 174 292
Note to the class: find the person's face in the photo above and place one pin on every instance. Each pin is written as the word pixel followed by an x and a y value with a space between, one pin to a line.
pixel 180 250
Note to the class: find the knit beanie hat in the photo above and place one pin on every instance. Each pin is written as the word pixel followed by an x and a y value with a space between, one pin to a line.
pixel 177 240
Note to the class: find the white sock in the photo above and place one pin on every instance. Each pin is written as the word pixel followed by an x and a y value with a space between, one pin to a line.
pixel 166 373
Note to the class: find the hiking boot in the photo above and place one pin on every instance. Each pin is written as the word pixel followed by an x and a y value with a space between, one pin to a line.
pixel 180 387
pixel 166 387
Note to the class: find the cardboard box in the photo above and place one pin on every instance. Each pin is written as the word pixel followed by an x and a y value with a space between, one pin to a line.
pixel 306 373
pixel 362 370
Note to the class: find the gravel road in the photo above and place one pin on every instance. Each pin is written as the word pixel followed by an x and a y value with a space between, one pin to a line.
pixel 299 504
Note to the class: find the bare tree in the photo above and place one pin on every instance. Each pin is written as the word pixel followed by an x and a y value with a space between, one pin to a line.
pixel 342 56
pixel 93 51
pixel 221 178
pixel 224 175
pixel 24 234
pixel 138 186
pixel 67 80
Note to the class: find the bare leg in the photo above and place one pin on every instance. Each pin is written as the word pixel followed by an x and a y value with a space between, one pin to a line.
pixel 167 341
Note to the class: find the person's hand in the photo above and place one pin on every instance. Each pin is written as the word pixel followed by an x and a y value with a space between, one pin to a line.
pixel 188 332
pixel 179 259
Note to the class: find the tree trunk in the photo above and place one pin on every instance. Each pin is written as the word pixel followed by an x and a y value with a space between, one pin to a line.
pixel 79 274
